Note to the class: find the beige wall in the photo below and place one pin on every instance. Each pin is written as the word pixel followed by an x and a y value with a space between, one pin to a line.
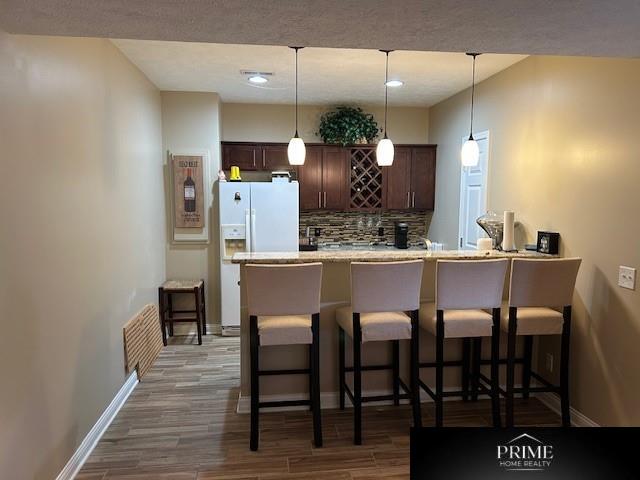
pixel 276 123
pixel 190 121
pixel 82 238
pixel 564 156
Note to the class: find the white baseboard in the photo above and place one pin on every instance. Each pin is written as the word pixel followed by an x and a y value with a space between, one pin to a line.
pixel 578 419
pixel 80 456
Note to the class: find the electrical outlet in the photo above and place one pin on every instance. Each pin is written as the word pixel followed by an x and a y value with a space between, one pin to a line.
pixel 627 277
pixel 549 362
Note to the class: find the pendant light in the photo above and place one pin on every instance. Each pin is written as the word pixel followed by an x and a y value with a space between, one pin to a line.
pixel 296 151
pixel 384 150
pixel 470 152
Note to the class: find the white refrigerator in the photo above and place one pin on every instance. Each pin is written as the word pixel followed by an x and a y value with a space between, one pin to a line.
pixel 254 217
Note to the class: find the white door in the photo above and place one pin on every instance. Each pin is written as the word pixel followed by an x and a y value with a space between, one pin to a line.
pixel 274 217
pixel 473 195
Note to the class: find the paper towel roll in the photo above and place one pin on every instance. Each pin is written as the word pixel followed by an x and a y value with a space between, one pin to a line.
pixel 508 244
pixel 485 243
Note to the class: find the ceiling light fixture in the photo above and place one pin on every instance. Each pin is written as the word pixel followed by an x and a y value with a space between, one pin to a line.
pixel 258 79
pixel 394 83
pixel 384 150
pixel 470 153
pixel 296 150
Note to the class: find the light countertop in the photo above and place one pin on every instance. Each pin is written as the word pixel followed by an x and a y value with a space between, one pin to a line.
pixel 376 255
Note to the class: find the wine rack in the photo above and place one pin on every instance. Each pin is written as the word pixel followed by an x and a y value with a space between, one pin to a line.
pixel 365 184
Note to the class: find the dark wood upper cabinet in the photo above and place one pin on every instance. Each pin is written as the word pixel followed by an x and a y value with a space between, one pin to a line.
pixel 334 178
pixel 310 180
pixel 397 179
pixel 274 157
pixel 423 178
pixel 247 156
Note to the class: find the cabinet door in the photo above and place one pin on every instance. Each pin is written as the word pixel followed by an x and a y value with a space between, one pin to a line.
pixel 310 180
pixel 245 156
pixel 334 178
pixel 423 178
pixel 398 180
pixel 274 157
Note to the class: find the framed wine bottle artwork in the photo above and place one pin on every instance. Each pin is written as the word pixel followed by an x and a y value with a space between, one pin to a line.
pixel 191 195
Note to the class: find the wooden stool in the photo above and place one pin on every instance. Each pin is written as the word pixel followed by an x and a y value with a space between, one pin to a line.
pixel 284 309
pixel 169 315
pixel 464 290
pixel 539 289
pixel 385 297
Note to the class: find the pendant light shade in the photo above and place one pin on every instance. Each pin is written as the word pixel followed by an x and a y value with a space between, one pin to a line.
pixel 470 153
pixel 385 150
pixel 296 151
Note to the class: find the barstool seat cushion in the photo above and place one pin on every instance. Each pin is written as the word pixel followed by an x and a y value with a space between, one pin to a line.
pixel 457 323
pixel 376 326
pixel 285 330
pixel 534 321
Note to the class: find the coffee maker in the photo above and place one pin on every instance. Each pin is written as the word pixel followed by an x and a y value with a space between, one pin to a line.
pixel 401 234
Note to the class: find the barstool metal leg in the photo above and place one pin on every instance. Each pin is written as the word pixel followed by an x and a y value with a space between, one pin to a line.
pixel 315 390
pixel 162 307
pixel 255 382
pixel 466 367
pixel 357 380
pixel 196 293
pixel 170 304
pixel 564 367
pixel 341 368
pixel 415 369
pixel 204 310
pixel 395 353
pixel 526 366
pixel 439 366
pixel 475 376
pixel 495 368
pixel 511 365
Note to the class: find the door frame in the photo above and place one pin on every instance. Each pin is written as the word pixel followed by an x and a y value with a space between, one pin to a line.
pixel 477 135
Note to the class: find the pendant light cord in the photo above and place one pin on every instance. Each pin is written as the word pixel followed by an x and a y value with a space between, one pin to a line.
pixel 473 89
pixel 297 48
pixel 386 87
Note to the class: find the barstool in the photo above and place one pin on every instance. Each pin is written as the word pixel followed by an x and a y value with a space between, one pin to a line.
pixel 382 293
pixel 464 290
pixel 537 288
pixel 284 309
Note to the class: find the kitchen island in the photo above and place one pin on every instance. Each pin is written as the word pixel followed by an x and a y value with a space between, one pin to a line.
pixel 335 293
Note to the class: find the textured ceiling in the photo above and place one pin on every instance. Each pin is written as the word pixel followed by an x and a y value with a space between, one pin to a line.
pixel 326 75
pixel 576 27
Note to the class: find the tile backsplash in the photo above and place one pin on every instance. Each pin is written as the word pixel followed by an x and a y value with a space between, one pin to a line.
pixel 363 226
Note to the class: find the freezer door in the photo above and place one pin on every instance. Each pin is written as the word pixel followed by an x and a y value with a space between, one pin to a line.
pixel 274 217
pixel 235 200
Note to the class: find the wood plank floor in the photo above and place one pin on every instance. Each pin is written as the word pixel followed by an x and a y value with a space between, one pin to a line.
pixel 180 424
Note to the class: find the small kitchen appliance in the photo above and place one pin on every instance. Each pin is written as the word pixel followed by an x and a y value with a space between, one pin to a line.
pixel 401 235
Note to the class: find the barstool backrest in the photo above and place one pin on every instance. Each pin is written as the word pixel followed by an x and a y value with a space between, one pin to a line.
pixel 386 286
pixel 470 284
pixel 543 282
pixel 283 289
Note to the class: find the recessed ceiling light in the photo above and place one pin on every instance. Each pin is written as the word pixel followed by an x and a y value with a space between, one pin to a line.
pixel 394 83
pixel 258 79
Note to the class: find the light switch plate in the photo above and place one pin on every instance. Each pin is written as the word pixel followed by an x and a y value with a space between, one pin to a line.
pixel 627 277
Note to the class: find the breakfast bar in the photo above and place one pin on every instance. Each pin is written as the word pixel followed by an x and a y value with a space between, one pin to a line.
pixel 335 292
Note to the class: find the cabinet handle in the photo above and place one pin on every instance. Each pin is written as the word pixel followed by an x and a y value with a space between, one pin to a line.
pixel 254 158
pixel 325 199
pixel 413 199
pixel 319 200
pixel 264 162
pixel 408 201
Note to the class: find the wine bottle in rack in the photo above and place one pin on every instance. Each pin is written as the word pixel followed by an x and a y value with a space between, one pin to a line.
pixel 189 193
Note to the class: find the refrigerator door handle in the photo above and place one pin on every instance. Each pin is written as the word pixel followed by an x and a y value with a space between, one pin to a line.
pixel 247 232
pixel 253 230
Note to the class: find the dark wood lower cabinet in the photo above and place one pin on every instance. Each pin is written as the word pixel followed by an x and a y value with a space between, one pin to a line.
pixel 328 182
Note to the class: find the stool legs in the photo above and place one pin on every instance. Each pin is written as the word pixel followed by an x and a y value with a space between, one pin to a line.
pixel 170 309
pixel 357 380
pixel 526 366
pixel 255 384
pixel 341 367
pixel 162 306
pixel 495 367
pixel 199 320
pixel 511 366
pixel 564 367
pixel 466 368
pixel 395 353
pixel 314 367
pixel 415 369
pixel 439 366
pixel 475 375
pixel 204 310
